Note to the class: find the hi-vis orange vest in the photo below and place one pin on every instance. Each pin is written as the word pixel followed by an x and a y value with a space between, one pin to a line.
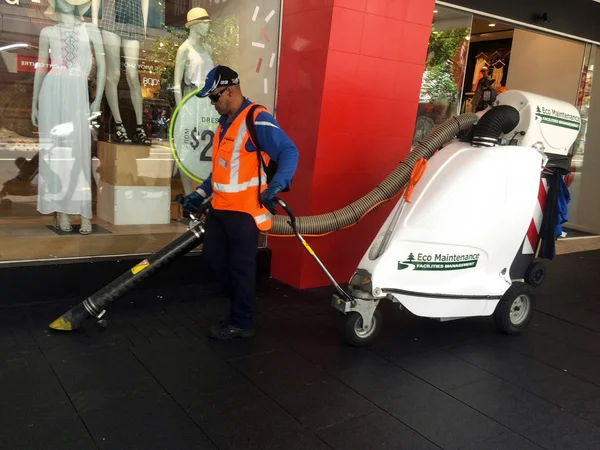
pixel 235 172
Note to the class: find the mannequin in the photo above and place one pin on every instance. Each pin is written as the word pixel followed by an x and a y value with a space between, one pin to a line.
pixel 124 24
pixel 192 64
pixel 61 110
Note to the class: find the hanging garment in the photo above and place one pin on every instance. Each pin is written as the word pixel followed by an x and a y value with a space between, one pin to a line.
pixel 64 178
pixel 555 214
pixel 125 19
pixel 497 76
pixel 480 64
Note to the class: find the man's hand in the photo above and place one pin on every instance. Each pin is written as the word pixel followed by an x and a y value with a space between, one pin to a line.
pixel 268 196
pixel 194 200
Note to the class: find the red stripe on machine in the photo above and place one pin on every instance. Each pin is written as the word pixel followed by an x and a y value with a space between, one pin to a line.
pixel 532 234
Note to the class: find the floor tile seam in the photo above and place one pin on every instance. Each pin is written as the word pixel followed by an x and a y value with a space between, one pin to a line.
pixel 229 363
pixel 568 321
pixel 186 412
pixel 562 408
pixel 584 308
pixel 283 408
pixel 361 416
pixel 69 398
pixel 154 316
pixel 562 369
pixel 184 325
pixel 504 426
pixel 361 395
pixel 143 318
pixel 500 434
pixel 139 331
pixel 175 332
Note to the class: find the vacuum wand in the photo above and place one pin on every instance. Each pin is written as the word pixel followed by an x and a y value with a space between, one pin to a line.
pixel 95 305
pixel 312 253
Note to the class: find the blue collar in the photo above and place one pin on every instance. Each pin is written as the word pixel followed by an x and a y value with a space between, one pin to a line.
pixel 223 119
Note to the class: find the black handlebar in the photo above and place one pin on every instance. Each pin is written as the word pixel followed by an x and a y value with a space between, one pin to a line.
pixel 289 212
pixel 191 209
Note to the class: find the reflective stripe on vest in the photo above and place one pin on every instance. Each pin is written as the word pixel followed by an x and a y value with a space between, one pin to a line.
pixel 235 178
pixel 234 185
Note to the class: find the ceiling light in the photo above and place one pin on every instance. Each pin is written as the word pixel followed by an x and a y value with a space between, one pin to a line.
pixel 435 11
pixel 492 24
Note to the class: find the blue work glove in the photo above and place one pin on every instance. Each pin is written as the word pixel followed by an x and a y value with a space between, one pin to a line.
pixel 268 195
pixel 194 200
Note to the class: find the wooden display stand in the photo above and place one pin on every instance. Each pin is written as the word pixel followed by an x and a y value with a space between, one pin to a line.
pixel 134 186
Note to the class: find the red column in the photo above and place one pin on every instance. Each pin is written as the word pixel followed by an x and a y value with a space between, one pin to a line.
pixel 349 83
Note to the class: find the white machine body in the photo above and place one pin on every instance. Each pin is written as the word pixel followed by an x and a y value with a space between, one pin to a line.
pixel 447 253
pixel 546 124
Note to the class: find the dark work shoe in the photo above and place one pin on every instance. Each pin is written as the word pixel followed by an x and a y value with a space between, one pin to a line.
pixel 228 332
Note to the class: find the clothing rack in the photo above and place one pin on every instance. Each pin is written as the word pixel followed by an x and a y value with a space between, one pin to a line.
pixel 495 57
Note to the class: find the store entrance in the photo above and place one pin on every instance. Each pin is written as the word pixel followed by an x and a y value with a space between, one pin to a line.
pixel 472 59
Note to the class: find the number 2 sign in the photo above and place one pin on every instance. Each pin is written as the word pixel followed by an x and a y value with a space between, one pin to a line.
pixel 191 136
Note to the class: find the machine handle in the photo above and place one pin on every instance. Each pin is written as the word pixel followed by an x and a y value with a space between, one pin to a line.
pixel 289 212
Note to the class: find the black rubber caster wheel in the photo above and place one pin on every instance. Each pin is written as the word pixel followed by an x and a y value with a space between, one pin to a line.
pixel 102 323
pixel 535 274
pixel 515 310
pixel 352 328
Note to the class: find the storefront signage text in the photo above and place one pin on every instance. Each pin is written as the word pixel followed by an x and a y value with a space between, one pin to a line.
pixel 18 2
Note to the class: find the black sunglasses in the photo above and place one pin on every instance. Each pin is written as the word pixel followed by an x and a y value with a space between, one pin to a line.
pixel 215 97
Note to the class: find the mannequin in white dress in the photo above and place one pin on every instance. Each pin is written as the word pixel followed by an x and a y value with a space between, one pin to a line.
pixel 124 24
pixel 192 64
pixel 61 110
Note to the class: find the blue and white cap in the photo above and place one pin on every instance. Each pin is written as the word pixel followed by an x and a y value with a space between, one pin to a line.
pixel 220 76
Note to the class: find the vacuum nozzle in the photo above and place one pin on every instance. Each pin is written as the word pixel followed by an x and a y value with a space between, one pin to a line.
pixel 71 320
pixel 61 324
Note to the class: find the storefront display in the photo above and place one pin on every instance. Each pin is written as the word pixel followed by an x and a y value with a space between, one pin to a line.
pixel 89 94
pixel 123 28
pixel 61 110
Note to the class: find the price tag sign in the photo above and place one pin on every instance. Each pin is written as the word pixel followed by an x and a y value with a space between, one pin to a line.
pixel 191 136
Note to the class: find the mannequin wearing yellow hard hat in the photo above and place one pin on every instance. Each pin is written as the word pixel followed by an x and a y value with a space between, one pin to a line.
pixel 61 110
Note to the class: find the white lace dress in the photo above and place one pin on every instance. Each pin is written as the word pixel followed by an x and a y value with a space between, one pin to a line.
pixel 64 179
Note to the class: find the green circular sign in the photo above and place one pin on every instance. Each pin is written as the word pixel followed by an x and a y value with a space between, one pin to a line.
pixel 191 135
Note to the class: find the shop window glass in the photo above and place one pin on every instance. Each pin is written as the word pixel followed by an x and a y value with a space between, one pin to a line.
pixel 573 180
pixel 88 95
pixel 444 72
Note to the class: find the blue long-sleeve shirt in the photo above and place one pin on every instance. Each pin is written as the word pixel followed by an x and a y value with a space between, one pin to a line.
pixel 273 141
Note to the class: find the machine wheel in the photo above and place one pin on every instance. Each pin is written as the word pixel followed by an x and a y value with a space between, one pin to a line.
pixel 353 332
pixel 535 274
pixel 515 310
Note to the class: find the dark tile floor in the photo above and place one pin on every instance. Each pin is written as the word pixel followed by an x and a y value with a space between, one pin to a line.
pixel 153 381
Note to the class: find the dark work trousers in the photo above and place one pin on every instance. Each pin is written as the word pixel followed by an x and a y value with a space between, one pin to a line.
pixel 230 248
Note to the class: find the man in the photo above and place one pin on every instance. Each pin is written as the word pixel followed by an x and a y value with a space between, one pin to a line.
pixel 239 211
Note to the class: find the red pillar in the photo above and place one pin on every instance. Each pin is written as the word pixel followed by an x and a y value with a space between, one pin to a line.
pixel 349 82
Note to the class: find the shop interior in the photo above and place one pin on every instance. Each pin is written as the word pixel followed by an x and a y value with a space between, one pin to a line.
pixel 473 59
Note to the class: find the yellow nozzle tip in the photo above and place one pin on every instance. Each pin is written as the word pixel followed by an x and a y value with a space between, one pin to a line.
pixel 61 324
